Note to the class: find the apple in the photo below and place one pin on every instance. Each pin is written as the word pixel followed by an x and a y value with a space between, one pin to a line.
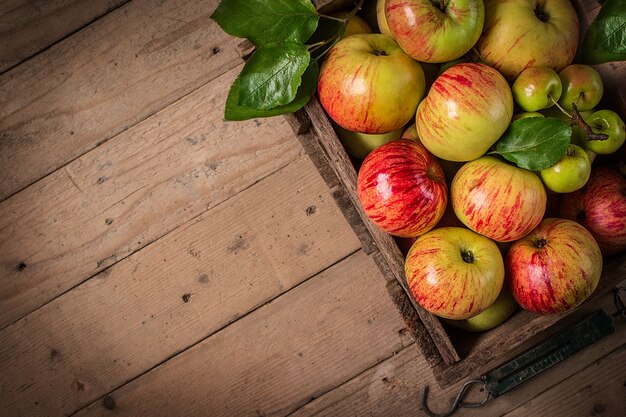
pixel 383 27
pixel 498 200
pixel 359 145
pixel 367 84
pixel 537 88
pixel 582 85
pixel 600 206
pixel 524 33
pixel 435 31
pixel 402 188
pixel 609 123
pixel 554 268
pixel 569 173
pixel 494 315
pixel 354 26
pixel 454 273
pixel 411 133
pixel 467 109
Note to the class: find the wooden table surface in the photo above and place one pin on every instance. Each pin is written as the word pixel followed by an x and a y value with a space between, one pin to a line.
pixel 158 261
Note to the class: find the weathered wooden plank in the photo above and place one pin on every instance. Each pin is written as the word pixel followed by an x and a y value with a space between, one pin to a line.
pixel 302 344
pixel 394 387
pixel 598 390
pixel 181 289
pixel 130 191
pixel 116 72
pixel 27 27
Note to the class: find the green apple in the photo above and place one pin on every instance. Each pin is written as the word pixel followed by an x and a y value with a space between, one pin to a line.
pixel 570 173
pixel 524 33
pixel 354 25
pixel 525 114
pixel 492 316
pixel 582 85
pixel 537 88
pixel 435 31
pixel 383 27
pixel 359 145
pixel 368 84
pixel 609 123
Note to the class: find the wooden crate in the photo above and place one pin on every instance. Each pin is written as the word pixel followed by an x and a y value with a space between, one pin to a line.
pixel 452 354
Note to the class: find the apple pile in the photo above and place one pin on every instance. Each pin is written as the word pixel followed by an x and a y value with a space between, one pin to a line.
pixel 479 218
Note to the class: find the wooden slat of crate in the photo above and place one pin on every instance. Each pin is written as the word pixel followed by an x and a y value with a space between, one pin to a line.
pixel 128 192
pixel 95 84
pixel 252 367
pixel 27 27
pixel 134 315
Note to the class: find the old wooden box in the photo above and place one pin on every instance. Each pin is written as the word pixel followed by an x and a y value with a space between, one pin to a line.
pixel 452 354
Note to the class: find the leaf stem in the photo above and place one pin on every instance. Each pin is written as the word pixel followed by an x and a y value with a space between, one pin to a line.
pixel 338 19
pixel 578 120
pixel 561 107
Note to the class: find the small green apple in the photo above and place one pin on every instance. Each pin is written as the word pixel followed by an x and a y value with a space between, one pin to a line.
pixel 359 145
pixel 537 88
pixel 383 26
pixel 609 123
pixel 492 316
pixel 525 114
pixel 354 25
pixel 582 85
pixel 570 173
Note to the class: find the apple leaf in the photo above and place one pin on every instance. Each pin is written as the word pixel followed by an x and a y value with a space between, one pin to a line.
pixel 534 143
pixel 267 21
pixel 234 111
pixel 605 39
pixel 272 75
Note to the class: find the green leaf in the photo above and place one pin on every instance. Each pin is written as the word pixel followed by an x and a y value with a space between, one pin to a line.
pixel 267 21
pixel 236 112
pixel 605 39
pixel 272 75
pixel 534 143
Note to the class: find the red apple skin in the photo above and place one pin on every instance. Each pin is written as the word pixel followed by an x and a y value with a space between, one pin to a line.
pixel 466 110
pixel 498 200
pixel 402 188
pixel 444 283
pixel 368 84
pixel 555 268
pixel 600 206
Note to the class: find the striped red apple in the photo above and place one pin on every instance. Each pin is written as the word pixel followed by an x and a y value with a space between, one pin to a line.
pixel 454 273
pixel 498 200
pixel 402 188
pixel 368 84
pixel 554 268
pixel 600 206
pixel 467 109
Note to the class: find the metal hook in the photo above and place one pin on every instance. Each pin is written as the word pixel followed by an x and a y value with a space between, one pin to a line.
pixel 458 401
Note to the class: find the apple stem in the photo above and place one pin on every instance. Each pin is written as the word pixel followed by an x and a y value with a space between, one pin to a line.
pixel 578 120
pixel 338 19
pixel 560 107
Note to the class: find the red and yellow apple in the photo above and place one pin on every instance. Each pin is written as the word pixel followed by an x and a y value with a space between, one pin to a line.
pixel 467 109
pixel 498 200
pixel 554 268
pixel 582 85
pixel 524 33
pixel 600 206
pixel 402 188
pixel 454 273
pixel 367 84
pixel 435 31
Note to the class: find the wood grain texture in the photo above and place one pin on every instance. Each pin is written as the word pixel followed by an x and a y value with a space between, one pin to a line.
pixel 394 387
pixel 27 27
pixel 85 90
pixel 177 291
pixel 128 192
pixel 279 357
pixel 347 175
